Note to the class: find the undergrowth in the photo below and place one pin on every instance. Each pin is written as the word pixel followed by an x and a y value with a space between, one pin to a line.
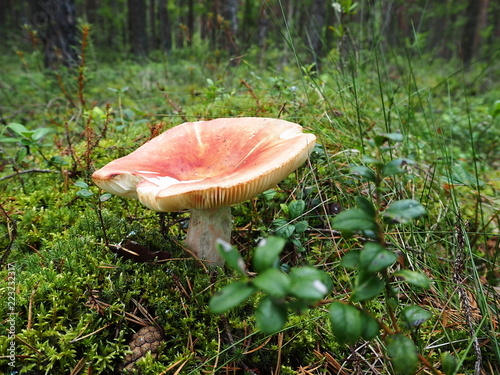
pixel 77 302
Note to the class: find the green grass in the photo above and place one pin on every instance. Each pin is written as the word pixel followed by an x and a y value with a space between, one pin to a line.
pixel 74 296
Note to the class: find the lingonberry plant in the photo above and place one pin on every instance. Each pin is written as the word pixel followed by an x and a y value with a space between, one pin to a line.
pixel 372 267
pixel 284 289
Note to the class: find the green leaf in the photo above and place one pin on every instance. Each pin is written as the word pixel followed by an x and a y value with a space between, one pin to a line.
pixel 365 172
pixel 85 193
pixel 283 228
pixel 273 281
pixel 231 296
pixel 403 354
pixel 21 154
pixel 449 363
pixel 372 161
pixel 8 140
pixel 269 194
pixel 394 167
pixel 350 260
pixel 461 176
pixel 354 221
pixel 382 138
pixel 365 205
pixel 104 197
pixel 301 226
pixel 414 316
pixel 81 184
pixel 39 133
pixel 26 142
pixel 270 315
pixel 370 328
pixel 375 258
pixel 495 109
pixel 310 283
pixel 414 278
pixel 296 208
pixel 404 211
pixel 231 256
pixel 368 286
pixel 57 161
pixel 267 253
pixel 20 129
pixel 347 323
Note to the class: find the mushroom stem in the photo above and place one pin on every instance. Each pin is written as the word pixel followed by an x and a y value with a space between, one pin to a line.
pixel 205 226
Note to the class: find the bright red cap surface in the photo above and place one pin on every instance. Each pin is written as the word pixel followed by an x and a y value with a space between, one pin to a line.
pixel 208 164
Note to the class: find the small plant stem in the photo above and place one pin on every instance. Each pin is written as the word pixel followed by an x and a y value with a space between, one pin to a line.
pixel 101 220
pixel 71 149
pixel 12 233
pixel 42 155
pixel 120 108
pixel 358 113
pixel 63 89
pixel 389 294
pixel 427 364
pixel 81 77
pixel 252 93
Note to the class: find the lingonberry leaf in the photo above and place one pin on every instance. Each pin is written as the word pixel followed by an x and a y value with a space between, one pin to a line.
pixel 231 296
pixel 403 354
pixel 347 323
pixel 270 315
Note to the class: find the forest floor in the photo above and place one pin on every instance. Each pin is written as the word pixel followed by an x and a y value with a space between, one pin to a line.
pixel 428 129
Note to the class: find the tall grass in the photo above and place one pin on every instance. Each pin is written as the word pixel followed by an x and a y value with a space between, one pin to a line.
pixel 71 285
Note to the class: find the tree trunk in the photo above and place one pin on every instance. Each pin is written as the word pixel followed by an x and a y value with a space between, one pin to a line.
pixel 56 24
pixel 3 18
pixel 152 25
pixel 248 23
pixel 190 22
pixel 262 28
pixel 91 10
pixel 315 30
pixel 230 27
pixel 137 27
pixel 470 37
pixel 481 25
pixel 165 26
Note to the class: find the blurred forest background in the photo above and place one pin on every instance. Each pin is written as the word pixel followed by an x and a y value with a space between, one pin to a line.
pixel 448 29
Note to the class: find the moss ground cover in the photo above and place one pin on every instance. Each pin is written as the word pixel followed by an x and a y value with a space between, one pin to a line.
pixel 77 302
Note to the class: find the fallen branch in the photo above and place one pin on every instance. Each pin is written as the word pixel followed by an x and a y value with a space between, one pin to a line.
pixel 27 171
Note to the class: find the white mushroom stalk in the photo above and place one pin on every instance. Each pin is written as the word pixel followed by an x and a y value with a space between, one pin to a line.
pixel 207 166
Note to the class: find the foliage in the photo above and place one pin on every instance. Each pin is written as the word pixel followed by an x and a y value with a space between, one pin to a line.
pixel 348 256
pixel 302 287
pixel 293 290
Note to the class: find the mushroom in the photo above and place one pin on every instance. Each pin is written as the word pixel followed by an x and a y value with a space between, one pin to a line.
pixel 207 166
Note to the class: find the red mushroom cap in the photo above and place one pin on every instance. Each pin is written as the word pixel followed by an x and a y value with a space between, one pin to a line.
pixel 208 164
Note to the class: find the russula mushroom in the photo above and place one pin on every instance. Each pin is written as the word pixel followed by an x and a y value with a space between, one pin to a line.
pixel 207 166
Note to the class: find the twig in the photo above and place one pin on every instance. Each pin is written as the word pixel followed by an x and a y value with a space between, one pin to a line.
pixel 28 171
pixel 30 306
pixel 233 345
pixel 76 161
pixel 63 89
pixel 252 93
pixel 12 230
pixel 76 339
pixel 78 367
pixel 81 77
